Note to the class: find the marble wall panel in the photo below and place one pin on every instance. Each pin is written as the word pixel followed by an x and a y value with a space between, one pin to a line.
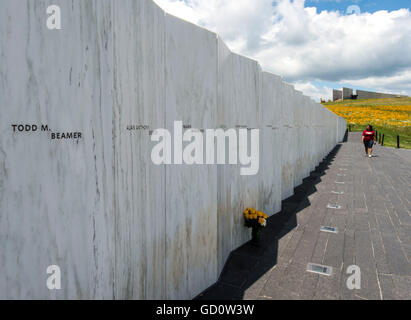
pixel 271 143
pixel 139 107
pixel 191 190
pixel 288 141
pixel 56 195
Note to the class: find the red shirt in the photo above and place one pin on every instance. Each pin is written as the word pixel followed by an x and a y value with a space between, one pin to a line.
pixel 368 135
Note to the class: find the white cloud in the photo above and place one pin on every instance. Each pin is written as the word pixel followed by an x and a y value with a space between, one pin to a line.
pixel 316 92
pixel 303 45
pixel 398 83
pixel 237 21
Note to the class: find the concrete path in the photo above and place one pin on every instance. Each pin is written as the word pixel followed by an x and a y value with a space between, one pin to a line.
pixel 374 224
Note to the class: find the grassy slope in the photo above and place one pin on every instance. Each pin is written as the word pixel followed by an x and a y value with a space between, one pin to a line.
pixel 390 132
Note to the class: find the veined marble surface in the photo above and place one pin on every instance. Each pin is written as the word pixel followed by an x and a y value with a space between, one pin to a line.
pixel 191 190
pixel 289 140
pixel 271 150
pixel 140 189
pixel 239 86
pixel 56 202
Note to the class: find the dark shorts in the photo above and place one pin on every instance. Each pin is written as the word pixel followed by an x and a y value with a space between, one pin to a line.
pixel 369 144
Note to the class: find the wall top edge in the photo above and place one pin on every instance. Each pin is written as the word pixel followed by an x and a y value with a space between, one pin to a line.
pixel 218 37
pixel 278 77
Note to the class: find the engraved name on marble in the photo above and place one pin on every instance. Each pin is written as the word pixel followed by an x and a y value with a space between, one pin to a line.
pixel 27 128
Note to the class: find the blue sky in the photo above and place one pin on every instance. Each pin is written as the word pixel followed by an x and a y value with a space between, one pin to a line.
pixel 345 6
pixel 365 6
pixel 314 49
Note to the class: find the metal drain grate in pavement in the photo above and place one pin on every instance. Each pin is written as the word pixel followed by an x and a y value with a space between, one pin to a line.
pixel 336 192
pixel 317 268
pixel 329 229
pixel 334 206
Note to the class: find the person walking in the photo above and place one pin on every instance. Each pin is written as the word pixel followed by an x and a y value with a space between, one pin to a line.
pixel 369 138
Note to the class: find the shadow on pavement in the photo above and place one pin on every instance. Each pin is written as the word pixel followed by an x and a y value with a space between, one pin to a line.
pixel 248 263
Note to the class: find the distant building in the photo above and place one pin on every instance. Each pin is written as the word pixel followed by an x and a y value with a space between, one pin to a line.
pixel 337 95
pixel 348 94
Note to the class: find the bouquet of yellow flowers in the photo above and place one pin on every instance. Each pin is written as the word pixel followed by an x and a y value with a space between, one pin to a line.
pixel 254 218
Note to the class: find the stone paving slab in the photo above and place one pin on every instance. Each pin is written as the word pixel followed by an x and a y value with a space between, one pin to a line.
pixel 374 233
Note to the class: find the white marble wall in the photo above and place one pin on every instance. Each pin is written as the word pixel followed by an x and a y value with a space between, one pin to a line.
pixel 342 128
pixel 307 143
pixel 298 116
pixel 289 140
pixel 56 197
pixel 139 185
pixel 191 190
pixel 271 150
pixel 313 139
pixel 239 105
pixel 119 226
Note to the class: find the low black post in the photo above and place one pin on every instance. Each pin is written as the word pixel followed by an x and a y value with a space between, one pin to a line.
pixel 379 138
pixel 383 137
pixel 376 134
pixel 398 142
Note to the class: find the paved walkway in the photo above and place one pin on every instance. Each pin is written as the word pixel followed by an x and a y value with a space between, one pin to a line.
pixel 374 225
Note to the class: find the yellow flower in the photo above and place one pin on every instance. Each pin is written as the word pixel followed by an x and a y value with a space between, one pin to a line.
pixel 260 214
pixel 253 211
pixel 385 112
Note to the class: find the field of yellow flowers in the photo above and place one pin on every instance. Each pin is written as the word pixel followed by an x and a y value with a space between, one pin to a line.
pixel 390 116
